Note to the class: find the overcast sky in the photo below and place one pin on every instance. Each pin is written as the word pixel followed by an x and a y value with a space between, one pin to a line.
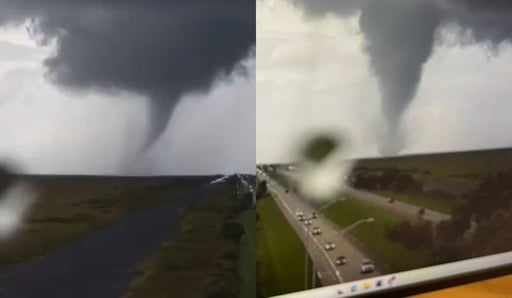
pixel 314 74
pixel 67 111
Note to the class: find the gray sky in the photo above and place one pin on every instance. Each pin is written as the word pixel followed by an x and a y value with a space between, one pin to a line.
pixel 314 73
pixel 45 128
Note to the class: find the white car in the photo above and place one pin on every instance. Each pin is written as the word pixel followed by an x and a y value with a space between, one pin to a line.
pixel 316 231
pixel 308 222
pixel 329 246
pixel 367 266
pixel 341 260
pixel 299 213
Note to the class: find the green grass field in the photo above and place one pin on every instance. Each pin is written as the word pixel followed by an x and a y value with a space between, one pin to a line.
pixel 247 259
pixel 281 255
pixel 426 200
pixel 448 164
pixel 373 235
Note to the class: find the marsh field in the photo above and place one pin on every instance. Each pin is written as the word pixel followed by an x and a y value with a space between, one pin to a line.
pixel 89 236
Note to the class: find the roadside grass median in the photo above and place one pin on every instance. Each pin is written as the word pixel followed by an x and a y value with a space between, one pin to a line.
pixel 425 200
pixel 280 253
pixel 373 235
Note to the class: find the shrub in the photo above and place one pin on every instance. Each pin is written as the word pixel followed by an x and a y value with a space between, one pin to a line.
pixel 412 236
pixel 421 212
pixel 232 229
pixel 223 290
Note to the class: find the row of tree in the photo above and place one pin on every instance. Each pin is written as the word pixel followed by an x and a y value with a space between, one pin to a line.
pixel 388 179
pixel 418 235
pixel 477 227
pixel 225 281
pixel 261 190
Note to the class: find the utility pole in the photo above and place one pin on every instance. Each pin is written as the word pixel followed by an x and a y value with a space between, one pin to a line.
pixel 306 275
pixel 313 277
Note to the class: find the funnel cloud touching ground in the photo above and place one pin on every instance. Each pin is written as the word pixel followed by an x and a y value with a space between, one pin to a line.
pixel 159 49
pixel 400 36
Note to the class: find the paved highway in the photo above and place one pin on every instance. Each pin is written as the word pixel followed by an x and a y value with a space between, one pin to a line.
pixel 324 260
pixel 402 208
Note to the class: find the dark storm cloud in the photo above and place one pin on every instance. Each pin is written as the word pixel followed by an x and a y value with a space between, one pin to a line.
pixel 322 7
pixel 487 21
pixel 400 36
pixel 161 49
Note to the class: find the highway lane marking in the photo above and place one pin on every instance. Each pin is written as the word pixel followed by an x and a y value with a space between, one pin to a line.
pixel 401 207
pixel 293 216
pixel 326 221
pixel 314 239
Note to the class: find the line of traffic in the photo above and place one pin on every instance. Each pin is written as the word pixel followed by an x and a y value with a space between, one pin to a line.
pixel 329 260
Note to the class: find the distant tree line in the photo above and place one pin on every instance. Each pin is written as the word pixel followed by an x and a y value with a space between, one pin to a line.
pixel 387 179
